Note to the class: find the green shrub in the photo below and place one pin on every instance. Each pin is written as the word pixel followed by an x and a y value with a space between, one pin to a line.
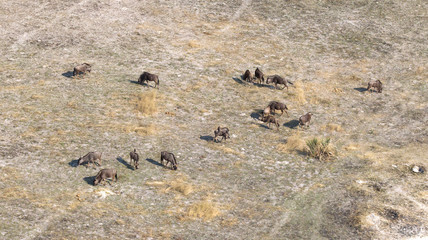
pixel 319 148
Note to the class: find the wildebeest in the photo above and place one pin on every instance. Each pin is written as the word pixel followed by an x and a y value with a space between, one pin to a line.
pixel 304 120
pixel 266 111
pixel 146 77
pixel 259 75
pixel 221 131
pixel 376 85
pixel 248 76
pixel 91 157
pixel 134 158
pixel 170 158
pixel 274 105
pixel 276 79
pixel 82 68
pixel 105 174
pixel 271 119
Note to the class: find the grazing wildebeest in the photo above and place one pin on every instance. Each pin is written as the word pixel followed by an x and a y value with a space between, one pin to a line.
pixel 105 174
pixel 376 85
pixel 134 158
pixel 305 119
pixel 274 105
pixel 223 132
pixel 146 77
pixel 259 75
pixel 276 79
pixel 248 76
pixel 170 158
pixel 91 157
pixel 271 119
pixel 82 68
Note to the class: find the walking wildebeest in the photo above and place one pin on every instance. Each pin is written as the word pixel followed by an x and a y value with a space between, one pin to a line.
pixel 304 120
pixel 271 119
pixel 223 132
pixel 170 158
pixel 105 174
pixel 274 105
pixel 266 111
pixel 91 157
pixel 376 85
pixel 82 68
pixel 259 75
pixel 248 76
pixel 134 158
pixel 276 79
pixel 146 77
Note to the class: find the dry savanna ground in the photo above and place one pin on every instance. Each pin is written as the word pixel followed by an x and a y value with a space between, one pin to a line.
pixel 260 183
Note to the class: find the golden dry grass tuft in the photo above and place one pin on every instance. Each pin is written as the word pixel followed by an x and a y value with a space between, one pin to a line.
pixel 293 143
pixel 179 185
pixel 299 96
pixel 206 210
pixel 146 103
pixel 332 127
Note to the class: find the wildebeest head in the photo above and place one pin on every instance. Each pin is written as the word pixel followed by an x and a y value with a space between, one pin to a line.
pixel 96 181
pixel 174 167
pixel 79 161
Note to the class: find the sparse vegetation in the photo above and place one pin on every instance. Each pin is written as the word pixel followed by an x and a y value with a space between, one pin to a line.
pixel 320 149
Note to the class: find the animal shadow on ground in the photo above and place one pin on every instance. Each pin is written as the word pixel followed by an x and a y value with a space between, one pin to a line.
pixel 74 163
pixel 68 74
pixel 154 162
pixel 239 80
pixel 257 114
pixel 207 138
pixel 89 180
pixel 121 160
pixel 135 82
pixel 360 89
pixel 263 85
pixel 292 124
pixel 264 126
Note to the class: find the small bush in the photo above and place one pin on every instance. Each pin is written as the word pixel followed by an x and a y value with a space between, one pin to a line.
pixel 319 148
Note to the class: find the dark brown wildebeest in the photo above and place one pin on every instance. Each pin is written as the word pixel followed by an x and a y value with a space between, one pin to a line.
pixel 271 119
pixel 221 131
pixel 91 157
pixel 276 79
pixel 274 105
pixel 146 77
pixel 82 68
pixel 105 174
pixel 134 158
pixel 377 85
pixel 170 158
pixel 259 75
pixel 304 120
pixel 248 76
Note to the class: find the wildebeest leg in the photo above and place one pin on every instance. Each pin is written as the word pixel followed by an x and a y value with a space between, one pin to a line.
pixel 287 113
pixel 282 112
pixel 284 87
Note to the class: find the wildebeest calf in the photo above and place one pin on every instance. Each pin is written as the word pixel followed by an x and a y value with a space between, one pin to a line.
pixel 274 105
pixel 146 77
pixel 134 158
pixel 170 158
pixel 276 79
pixel 105 174
pixel 259 75
pixel 91 157
pixel 221 131
pixel 271 119
pixel 82 68
pixel 376 85
pixel 248 76
pixel 305 119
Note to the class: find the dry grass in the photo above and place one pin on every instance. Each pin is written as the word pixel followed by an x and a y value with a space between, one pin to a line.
pixel 146 103
pixel 299 96
pixel 320 149
pixel 179 185
pixel 332 127
pixel 206 210
pixel 293 143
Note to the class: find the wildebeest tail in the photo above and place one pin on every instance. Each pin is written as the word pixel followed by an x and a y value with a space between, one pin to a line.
pixel 290 82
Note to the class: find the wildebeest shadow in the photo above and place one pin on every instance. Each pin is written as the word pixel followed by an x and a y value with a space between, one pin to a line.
pixel 74 163
pixel 89 180
pixel 207 138
pixel 292 124
pixel 264 126
pixel 154 162
pixel 263 85
pixel 257 114
pixel 360 89
pixel 68 74
pixel 239 80
pixel 121 160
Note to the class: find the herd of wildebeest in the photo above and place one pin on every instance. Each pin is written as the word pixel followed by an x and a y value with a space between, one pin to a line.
pixel 223 132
